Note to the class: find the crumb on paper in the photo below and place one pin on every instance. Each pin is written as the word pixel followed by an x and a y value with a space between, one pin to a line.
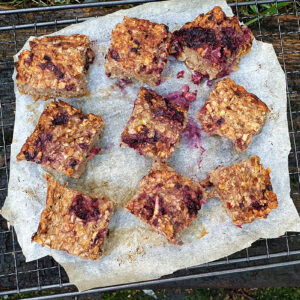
pixel 101 49
pixel 32 107
pixel 165 78
pixel 33 194
pixel 105 92
pixel 141 236
pixel 31 120
pixel 132 256
pixel 202 233
pixel 274 116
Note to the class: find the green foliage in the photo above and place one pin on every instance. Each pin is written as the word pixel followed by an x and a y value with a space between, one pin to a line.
pixel 190 294
pixel 38 3
pixel 268 9
pixel 125 294
pixel 276 293
pixel 28 295
pixel 207 294
pixel 244 294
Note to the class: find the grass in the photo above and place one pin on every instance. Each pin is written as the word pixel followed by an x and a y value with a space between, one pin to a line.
pixel 265 9
pixel 36 3
pixel 187 294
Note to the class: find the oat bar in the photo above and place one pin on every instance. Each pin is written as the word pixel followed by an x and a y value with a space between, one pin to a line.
pixel 212 44
pixel 232 112
pixel 55 66
pixel 73 221
pixel 245 190
pixel 139 49
pixel 64 139
pixel 155 126
pixel 167 201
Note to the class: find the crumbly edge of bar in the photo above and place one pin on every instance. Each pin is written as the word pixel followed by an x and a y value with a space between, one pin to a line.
pixel 213 20
pixel 201 65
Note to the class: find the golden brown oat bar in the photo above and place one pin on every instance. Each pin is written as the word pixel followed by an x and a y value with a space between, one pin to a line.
pixel 212 44
pixel 64 139
pixel 139 49
pixel 167 201
pixel 155 126
pixel 74 222
pixel 232 112
pixel 244 189
pixel 55 66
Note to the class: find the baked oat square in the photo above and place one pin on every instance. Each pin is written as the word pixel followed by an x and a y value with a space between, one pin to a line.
pixel 139 49
pixel 73 221
pixel 55 66
pixel 64 139
pixel 232 112
pixel 244 189
pixel 167 201
pixel 212 44
pixel 155 126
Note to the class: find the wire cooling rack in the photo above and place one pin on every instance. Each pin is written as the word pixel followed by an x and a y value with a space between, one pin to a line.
pixel 280 29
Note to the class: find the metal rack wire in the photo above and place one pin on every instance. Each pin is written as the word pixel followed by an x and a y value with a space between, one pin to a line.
pixel 280 29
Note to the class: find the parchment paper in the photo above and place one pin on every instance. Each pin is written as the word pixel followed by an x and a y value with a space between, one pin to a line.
pixel 133 252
